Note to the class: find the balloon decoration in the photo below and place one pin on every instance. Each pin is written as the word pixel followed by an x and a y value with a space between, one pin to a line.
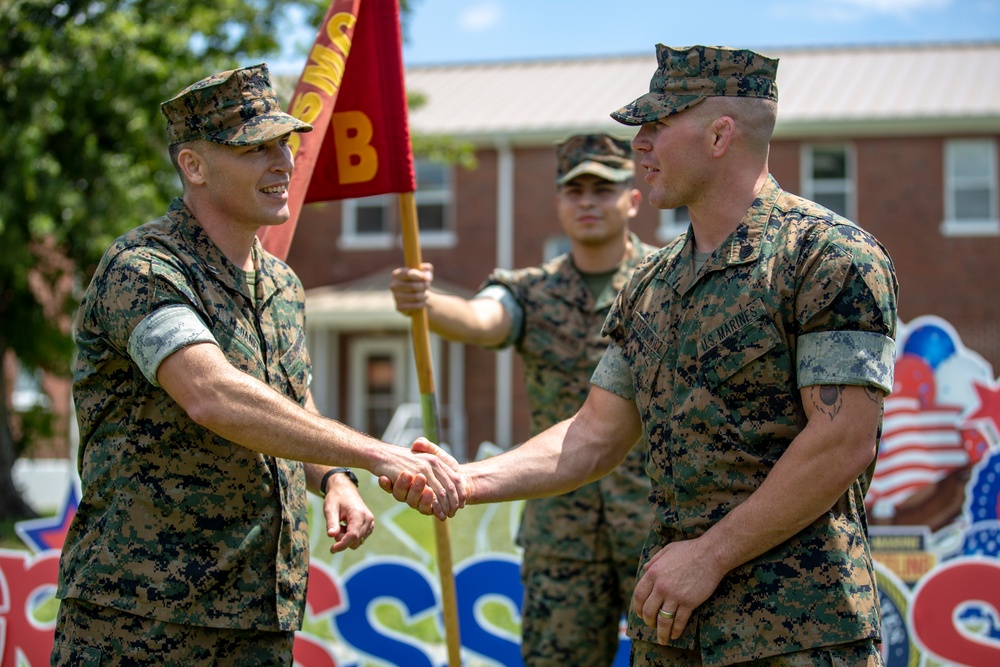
pixel 930 342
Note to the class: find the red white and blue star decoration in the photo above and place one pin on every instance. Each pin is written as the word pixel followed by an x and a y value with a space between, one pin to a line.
pixel 50 532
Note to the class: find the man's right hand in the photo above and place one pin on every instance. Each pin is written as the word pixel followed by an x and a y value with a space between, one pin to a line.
pixel 410 287
pixel 413 488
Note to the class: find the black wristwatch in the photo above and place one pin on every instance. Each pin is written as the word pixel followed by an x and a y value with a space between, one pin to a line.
pixel 333 471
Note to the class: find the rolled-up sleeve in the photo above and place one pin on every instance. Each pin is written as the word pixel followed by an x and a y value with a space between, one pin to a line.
pixel 613 374
pixel 861 358
pixel 163 332
pixel 513 308
pixel 846 309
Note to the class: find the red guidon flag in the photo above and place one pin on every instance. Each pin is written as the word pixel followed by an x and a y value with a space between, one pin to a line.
pixel 352 92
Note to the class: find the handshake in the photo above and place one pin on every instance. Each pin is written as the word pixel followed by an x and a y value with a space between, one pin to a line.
pixel 564 457
pixel 434 484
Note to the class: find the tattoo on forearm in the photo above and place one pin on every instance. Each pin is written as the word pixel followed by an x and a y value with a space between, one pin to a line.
pixel 874 394
pixel 828 399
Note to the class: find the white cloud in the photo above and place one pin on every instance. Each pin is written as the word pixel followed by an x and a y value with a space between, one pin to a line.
pixel 481 17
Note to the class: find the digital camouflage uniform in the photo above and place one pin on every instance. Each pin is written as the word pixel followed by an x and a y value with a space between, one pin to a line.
pixel 588 540
pixel 714 362
pixel 177 523
pixel 126 640
pixel 180 531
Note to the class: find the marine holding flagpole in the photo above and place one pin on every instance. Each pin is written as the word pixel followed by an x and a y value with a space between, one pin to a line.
pixel 580 548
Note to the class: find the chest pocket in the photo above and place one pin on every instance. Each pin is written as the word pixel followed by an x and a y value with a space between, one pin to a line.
pixel 746 363
pixel 295 365
pixel 741 340
pixel 561 345
pixel 240 344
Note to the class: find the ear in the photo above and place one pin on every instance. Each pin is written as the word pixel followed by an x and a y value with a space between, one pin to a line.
pixel 723 132
pixel 636 201
pixel 192 165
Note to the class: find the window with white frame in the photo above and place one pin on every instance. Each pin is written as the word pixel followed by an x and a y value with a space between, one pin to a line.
pixel 828 177
pixel 970 195
pixel 377 382
pixel 373 223
pixel 673 223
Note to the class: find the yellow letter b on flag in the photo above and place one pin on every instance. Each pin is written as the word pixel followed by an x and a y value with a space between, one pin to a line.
pixel 357 159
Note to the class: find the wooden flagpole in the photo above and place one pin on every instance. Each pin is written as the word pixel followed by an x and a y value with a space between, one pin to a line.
pixel 428 410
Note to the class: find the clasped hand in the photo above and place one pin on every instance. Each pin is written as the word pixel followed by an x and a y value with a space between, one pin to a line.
pixel 432 486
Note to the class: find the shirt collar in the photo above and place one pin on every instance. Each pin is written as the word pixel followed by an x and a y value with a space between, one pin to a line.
pixel 208 254
pixel 566 282
pixel 743 245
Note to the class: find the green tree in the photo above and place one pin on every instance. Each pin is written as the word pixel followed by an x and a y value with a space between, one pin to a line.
pixel 83 152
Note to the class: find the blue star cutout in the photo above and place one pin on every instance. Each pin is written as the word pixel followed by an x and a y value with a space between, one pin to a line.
pixel 50 532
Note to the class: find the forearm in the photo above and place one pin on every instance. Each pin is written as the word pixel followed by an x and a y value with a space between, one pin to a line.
pixel 530 470
pixel 314 472
pixel 474 321
pixel 564 457
pixel 246 411
pixel 788 501
pixel 477 321
pixel 251 414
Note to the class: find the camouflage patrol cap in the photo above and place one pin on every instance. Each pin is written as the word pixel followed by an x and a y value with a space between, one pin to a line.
pixel 236 107
pixel 686 76
pixel 597 154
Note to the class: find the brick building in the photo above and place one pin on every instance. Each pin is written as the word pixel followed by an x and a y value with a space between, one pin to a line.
pixel 901 139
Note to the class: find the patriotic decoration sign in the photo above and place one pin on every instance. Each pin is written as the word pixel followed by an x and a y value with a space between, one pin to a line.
pixel 934 501
pixel 940 418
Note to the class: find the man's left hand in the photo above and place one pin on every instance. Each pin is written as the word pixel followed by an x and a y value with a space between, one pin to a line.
pixel 675 581
pixel 349 522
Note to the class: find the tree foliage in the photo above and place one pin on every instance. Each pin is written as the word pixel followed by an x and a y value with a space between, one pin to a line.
pixel 83 146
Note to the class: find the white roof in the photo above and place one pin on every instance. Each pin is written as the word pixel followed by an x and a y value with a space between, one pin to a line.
pixel 884 90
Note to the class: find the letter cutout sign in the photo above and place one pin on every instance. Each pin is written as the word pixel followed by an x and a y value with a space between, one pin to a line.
pixel 939 578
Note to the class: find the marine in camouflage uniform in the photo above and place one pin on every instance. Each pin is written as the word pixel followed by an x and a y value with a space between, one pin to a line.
pixel 753 355
pixel 158 486
pixel 714 361
pixel 580 549
pixel 714 357
pixel 187 547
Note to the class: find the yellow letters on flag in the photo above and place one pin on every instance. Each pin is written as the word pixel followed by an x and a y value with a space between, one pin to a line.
pixel 360 143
